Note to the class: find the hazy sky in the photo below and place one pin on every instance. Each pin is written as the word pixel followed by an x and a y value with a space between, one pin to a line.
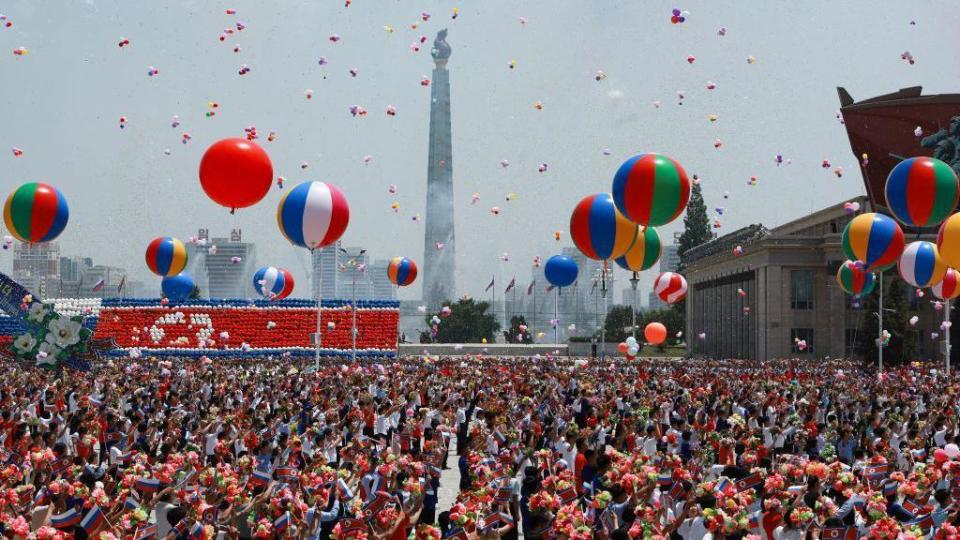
pixel 62 103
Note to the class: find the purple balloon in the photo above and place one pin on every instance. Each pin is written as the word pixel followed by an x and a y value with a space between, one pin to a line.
pixel 676 12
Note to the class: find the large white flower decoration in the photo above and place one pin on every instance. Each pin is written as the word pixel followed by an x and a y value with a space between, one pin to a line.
pixel 25 343
pixel 64 332
pixel 48 351
pixel 37 312
pixel 46 360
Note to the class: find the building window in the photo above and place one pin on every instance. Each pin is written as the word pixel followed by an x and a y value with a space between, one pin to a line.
pixel 801 289
pixel 801 340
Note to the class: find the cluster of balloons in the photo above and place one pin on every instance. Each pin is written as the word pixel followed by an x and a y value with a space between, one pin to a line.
pixel 649 190
pixel 167 257
pixel 629 347
pixel 921 192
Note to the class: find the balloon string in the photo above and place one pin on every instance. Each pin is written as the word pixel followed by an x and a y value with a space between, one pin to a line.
pixel 233 211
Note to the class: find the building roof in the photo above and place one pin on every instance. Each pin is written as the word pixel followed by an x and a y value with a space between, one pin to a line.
pixel 803 226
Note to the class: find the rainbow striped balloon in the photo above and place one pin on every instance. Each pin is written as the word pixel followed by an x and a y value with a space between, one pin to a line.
pixel 671 287
pixel 921 265
pixel 599 230
pixel 401 271
pixel 948 241
pixel 854 280
pixel 313 215
pixel 651 189
pixel 644 252
pixel 949 288
pixel 166 256
pixel 36 212
pixel 873 239
pixel 922 191
pixel 273 283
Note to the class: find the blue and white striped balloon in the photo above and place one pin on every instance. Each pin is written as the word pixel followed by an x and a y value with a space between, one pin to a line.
pixel 920 264
pixel 273 283
pixel 313 215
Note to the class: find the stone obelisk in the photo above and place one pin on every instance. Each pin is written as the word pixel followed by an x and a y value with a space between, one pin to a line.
pixel 439 253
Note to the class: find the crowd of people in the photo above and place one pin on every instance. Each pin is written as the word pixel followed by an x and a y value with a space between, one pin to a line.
pixel 545 448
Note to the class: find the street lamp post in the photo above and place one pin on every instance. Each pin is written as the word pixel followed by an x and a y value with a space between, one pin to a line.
pixel 352 262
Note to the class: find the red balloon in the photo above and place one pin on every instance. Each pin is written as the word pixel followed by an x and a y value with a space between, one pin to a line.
pixel 622 347
pixel 656 333
pixel 236 173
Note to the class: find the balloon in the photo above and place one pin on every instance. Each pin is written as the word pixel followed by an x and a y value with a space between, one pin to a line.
pixel 948 241
pixel 952 450
pixel 599 230
pixel 177 288
pixel 401 271
pixel 36 212
pixel 313 215
pixel 922 191
pixel 655 333
pixel 949 287
pixel 273 283
pixel 670 287
pixel 644 252
pixel 236 173
pixel 632 350
pixel 622 347
pixel 940 455
pixel 651 189
pixel 854 280
pixel 631 340
pixel 561 271
pixel 873 239
pixel 166 256
pixel 921 265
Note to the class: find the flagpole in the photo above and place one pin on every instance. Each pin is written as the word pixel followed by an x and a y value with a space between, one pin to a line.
pixel 533 325
pixel 398 320
pixel 316 355
pixel 556 319
pixel 633 309
pixel 514 301
pixel 493 301
pixel 880 328
pixel 603 320
pixel 946 318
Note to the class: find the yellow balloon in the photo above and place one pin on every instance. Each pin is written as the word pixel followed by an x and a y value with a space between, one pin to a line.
pixel 948 241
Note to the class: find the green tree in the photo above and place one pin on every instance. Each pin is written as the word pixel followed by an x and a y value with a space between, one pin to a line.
pixel 696 231
pixel 617 323
pixel 696 225
pixel 896 315
pixel 514 334
pixel 669 317
pixel 468 322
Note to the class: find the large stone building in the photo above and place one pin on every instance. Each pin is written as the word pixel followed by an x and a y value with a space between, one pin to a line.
pixel 439 264
pixel 790 293
pixel 36 267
